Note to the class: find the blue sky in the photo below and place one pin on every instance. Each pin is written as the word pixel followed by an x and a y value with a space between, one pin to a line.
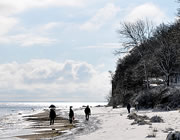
pixel 62 50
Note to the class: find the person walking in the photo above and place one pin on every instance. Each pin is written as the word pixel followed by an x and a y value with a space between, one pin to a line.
pixel 52 116
pixel 71 115
pixel 128 107
pixel 87 112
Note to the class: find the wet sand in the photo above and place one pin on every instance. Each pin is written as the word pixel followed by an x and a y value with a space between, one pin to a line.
pixel 42 129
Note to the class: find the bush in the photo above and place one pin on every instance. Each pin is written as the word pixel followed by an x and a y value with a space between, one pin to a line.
pixel 133 116
pixel 173 136
pixel 156 119
pixel 146 100
pixel 159 98
pixel 140 120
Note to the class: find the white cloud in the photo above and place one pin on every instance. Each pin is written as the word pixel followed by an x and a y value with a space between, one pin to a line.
pixel 50 25
pixel 27 40
pixel 45 78
pixel 102 16
pixel 38 35
pixel 9 7
pixel 6 24
pixel 149 11
pixel 104 46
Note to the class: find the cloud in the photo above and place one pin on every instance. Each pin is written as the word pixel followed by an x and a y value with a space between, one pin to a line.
pixel 147 10
pixel 48 79
pixel 50 26
pixel 10 7
pixel 104 46
pixel 38 35
pixel 103 16
pixel 12 31
pixel 9 10
pixel 27 40
pixel 7 23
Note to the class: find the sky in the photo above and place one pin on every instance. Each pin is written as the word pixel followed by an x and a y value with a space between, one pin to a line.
pixel 62 50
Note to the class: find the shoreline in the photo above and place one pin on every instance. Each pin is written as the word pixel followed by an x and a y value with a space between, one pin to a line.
pixel 41 129
pixel 105 123
pixel 17 121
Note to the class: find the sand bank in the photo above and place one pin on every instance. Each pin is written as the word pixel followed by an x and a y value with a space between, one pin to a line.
pixel 42 129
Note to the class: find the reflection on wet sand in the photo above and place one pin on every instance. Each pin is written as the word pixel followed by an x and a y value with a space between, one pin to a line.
pixel 42 129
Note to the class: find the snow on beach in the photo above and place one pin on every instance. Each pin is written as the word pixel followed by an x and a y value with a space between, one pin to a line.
pixel 106 124
pixel 109 124
pixel 114 124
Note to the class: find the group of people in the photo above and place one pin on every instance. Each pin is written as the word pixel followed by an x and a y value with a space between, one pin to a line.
pixel 87 111
pixel 52 114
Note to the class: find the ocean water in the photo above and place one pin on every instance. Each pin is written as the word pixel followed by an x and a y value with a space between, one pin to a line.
pixel 12 122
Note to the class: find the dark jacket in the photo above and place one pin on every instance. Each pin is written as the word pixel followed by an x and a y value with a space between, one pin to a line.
pixel 52 114
pixel 71 113
pixel 87 111
pixel 128 106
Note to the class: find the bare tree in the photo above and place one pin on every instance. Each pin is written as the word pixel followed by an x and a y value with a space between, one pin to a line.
pixel 166 50
pixel 134 35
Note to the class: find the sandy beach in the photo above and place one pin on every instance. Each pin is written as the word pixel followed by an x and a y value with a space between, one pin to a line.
pixel 41 129
pixel 115 125
pixel 105 124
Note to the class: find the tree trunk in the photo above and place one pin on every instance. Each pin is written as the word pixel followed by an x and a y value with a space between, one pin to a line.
pixel 168 80
pixel 146 76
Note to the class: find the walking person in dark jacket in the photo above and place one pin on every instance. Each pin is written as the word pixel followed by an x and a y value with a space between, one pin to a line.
pixel 87 112
pixel 52 115
pixel 128 107
pixel 71 115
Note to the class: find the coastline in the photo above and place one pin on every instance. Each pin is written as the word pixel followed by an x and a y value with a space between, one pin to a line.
pixel 62 129
pixel 41 129
pixel 105 123
pixel 19 120
pixel 116 125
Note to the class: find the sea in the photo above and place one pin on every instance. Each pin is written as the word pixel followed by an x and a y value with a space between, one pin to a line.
pixel 12 122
